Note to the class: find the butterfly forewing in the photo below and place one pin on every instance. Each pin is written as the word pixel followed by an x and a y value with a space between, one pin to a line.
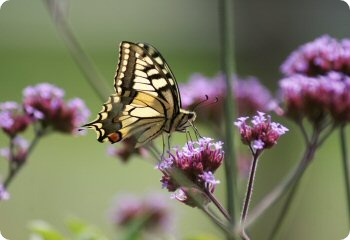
pixel 147 99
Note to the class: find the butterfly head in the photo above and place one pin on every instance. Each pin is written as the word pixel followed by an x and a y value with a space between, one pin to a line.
pixel 185 120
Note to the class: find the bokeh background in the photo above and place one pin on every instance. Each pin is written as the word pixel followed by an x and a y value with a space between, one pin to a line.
pixel 73 176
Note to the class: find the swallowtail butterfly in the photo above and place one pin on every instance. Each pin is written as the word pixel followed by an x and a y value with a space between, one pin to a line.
pixel 147 101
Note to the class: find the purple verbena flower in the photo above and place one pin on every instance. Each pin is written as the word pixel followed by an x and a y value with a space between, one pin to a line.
pixel 44 102
pixel 258 144
pixel 318 57
pixel 12 118
pixel 80 113
pixel 209 180
pixel 196 161
pixel 262 134
pixel 317 97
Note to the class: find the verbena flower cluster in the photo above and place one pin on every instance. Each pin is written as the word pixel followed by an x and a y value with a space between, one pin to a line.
pixel 43 107
pixel 13 119
pixel 189 171
pixel 199 86
pixel 319 57
pixel 317 82
pixel 262 134
pixel 45 103
pixel 314 98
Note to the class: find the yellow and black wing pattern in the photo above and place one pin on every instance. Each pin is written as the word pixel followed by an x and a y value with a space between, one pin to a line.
pixel 146 101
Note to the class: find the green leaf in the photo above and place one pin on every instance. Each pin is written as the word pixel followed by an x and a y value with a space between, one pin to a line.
pixel 202 237
pixel 43 231
pixel 84 231
pixel 76 226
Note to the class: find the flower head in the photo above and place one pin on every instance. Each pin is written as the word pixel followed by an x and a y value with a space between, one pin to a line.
pixel 196 161
pixel 262 133
pixel 317 97
pixel 318 57
pixel 153 210
pixel 44 102
pixel 12 119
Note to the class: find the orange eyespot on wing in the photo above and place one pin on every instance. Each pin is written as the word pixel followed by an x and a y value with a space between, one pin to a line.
pixel 114 137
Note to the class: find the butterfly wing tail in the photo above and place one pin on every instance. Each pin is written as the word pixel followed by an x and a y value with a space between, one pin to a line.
pixel 107 123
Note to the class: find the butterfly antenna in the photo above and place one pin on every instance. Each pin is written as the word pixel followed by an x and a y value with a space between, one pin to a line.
pixel 215 101
pixel 201 102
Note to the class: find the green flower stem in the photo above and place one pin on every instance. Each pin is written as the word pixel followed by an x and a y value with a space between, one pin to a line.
pixel 285 185
pixel 217 222
pixel 217 203
pixel 16 167
pixel 284 211
pixel 94 78
pixel 345 157
pixel 227 64
pixel 249 193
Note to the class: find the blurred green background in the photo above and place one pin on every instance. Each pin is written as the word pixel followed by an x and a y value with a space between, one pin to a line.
pixel 73 175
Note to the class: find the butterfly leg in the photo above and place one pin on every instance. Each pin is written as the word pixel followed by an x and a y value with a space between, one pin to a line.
pixel 189 136
pixel 169 142
pixel 163 140
pixel 195 130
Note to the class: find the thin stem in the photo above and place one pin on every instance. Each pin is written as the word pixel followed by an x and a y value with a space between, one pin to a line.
pixel 18 166
pixel 316 140
pixel 326 135
pixel 286 184
pixel 303 131
pixel 12 155
pixel 94 78
pixel 217 203
pixel 227 63
pixel 345 157
pixel 284 211
pixel 249 193
pixel 217 222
